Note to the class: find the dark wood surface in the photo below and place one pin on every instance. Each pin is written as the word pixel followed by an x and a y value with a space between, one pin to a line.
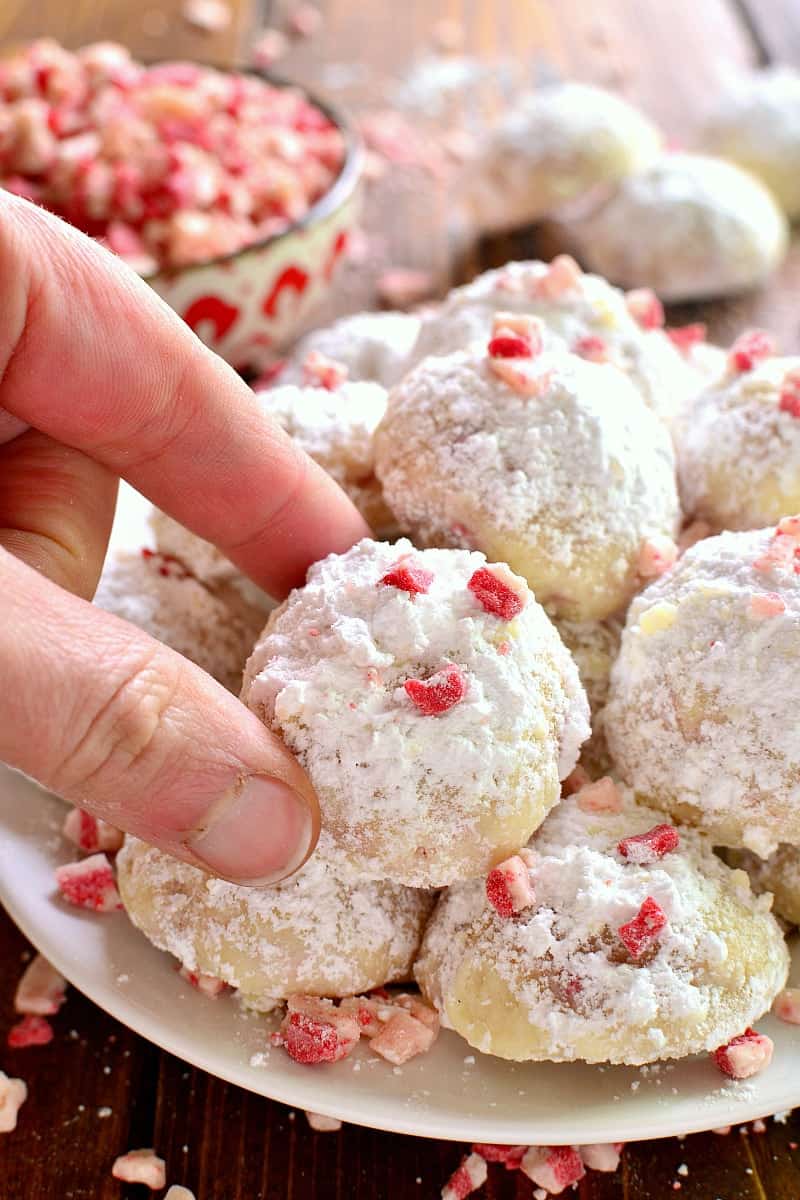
pixel 222 1142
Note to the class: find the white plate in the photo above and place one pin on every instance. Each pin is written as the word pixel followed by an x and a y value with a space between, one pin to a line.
pixel 449 1093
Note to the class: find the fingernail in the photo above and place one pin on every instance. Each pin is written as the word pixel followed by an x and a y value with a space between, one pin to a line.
pixel 256 834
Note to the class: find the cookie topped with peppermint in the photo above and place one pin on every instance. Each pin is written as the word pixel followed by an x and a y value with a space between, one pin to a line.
pixel 613 937
pixel 431 702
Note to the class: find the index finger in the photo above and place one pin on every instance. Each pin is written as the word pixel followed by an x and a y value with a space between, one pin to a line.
pixel 90 355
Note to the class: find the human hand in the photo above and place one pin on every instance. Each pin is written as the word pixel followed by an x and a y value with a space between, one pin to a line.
pixel 99 379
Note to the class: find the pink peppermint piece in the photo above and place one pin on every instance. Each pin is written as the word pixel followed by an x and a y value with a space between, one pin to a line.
pixel 649 847
pixel 789 399
pixel 602 796
pixel 41 990
pixel 370 1012
pixel 787 1006
pixel 553 1168
pixel 645 308
pixel 209 16
pixel 592 348
pixel 403 1037
pixel 13 1094
pixel 744 1055
pixel 643 930
pixel 524 383
pixel 498 591
pixel 91 833
pixel 418 1009
pixel 510 1156
pixel 30 1031
pixel 323 372
pixel 509 345
pixel 656 555
pixel 408 576
pixel 268 47
pixel 764 605
pixel 466 1179
pixel 209 985
pixel 403 287
pixel 789 527
pixel 141 1166
pixel 89 884
pixel 563 275
pixel 315 1031
pixel 322 1124
pixel 523 325
pixel 508 887
pixel 603 1156
pixel 686 337
pixel 750 349
pixel 439 693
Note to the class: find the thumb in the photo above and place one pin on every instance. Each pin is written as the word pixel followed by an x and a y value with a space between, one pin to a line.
pixel 114 721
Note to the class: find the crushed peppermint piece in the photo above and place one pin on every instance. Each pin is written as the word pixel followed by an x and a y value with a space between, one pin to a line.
pixel 209 16
pixel 439 693
pixel 316 1031
pixel 750 349
pixel 763 605
pixel 553 1168
pixel 321 371
pixel 786 1006
pixel 510 1156
pixel 524 383
pixel 89 884
pixel 656 555
pixel 42 989
pixel 686 337
pixel 403 1037
pixel 509 345
pixel 418 1009
pixel 13 1094
pixel 141 1166
pixel 602 796
pixel 789 397
pixel 466 1179
pixel 649 847
pixel 562 275
pixel 603 1156
pixel 209 985
pixel 638 934
pixel 593 348
pixel 91 833
pixel 645 308
pixel 508 887
pixel 408 576
pixel 322 1124
pixel 268 47
pixel 744 1055
pixel 178 1192
pixel 498 591
pixel 30 1031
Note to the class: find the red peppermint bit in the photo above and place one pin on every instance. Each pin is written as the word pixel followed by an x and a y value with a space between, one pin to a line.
pixel 788 527
pixel 403 1037
pixel 602 796
pixel 41 990
pixel 649 847
pixel 91 833
pixel 498 591
pixel 508 887
pixel 209 985
pixel 592 348
pixel 744 1055
pixel 370 1013
pixel 30 1031
pixel 315 1031
pixel 640 933
pixel 764 605
pixel 787 1006
pixel 141 1166
pixel 510 1156
pixel 507 345
pixel 645 308
pixel 553 1167
pixel 470 1176
pixel 789 401
pixel 408 576
pixel 440 693
pixel 515 335
pixel 603 1156
pixel 562 275
pixel 656 555
pixel 750 349
pixel 89 884
pixel 686 337
pixel 322 372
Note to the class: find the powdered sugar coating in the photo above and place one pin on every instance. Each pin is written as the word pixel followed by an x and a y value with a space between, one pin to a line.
pixel 316 933
pixel 778 874
pixel 700 713
pixel 757 125
pixel 207 564
pixel 593 308
pixel 159 596
pixel 557 983
pixel 564 486
pixel 553 145
pixel 594 645
pixel 739 451
pixel 372 346
pixel 689 226
pixel 416 798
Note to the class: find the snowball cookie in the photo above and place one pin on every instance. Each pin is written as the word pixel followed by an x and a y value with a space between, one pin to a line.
pixel 565 475
pixel 594 645
pixel 313 933
pixel 778 874
pixel 700 716
pixel 757 125
pixel 689 226
pixel 430 700
pixel 552 146
pixel 157 593
pixel 738 445
pixel 369 345
pixel 660 954
pixel 593 318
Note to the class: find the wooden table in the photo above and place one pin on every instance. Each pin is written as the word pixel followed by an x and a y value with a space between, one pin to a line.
pixel 98 1089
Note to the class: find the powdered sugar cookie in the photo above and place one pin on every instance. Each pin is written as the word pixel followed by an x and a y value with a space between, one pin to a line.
pixel 689 226
pixel 370 346
pixel 157 593
pixel 738 442
pixel 620 948
pixel 544 461
pixel 314 933
pixel 700 712
pixel 757 125
pixel 554 145
pixel 778 874
pixel 594 645
pixel 593 319
pixel 431 702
